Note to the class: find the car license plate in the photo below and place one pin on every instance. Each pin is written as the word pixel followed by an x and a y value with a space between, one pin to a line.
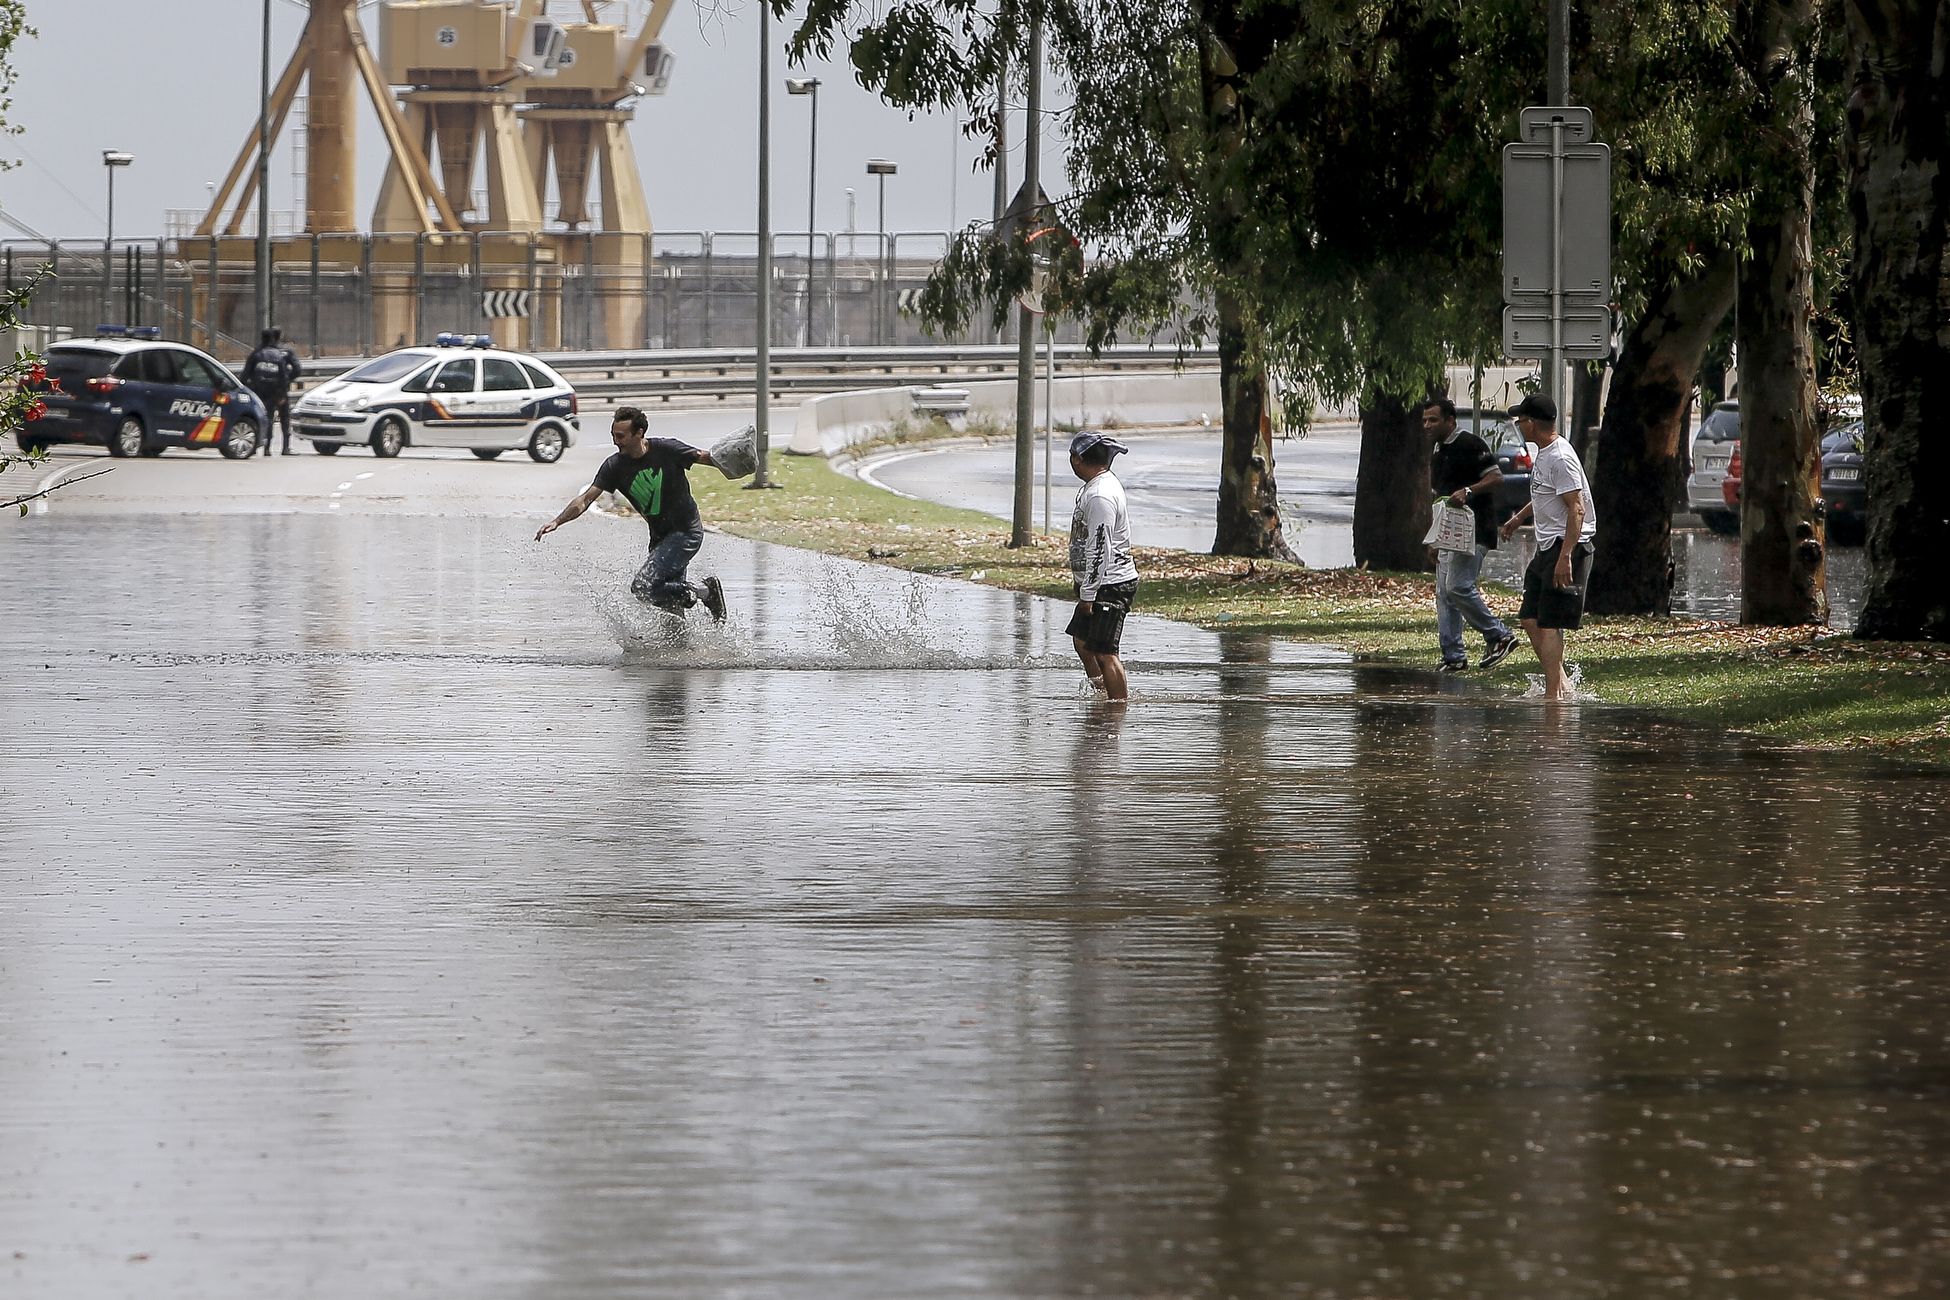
pixel 1845 475
pixel 1714 462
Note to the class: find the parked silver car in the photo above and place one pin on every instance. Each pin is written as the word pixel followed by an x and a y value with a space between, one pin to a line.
pixel 1713 444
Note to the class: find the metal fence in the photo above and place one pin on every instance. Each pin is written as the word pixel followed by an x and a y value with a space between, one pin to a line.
pixel 356 294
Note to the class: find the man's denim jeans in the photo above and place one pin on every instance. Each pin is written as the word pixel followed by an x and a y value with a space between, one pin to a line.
pixel 661 580
pixel 1457 602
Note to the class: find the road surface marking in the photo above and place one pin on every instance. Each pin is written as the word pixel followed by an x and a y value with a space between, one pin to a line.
pixel 51 481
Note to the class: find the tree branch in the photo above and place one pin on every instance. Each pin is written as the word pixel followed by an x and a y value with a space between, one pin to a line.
pixel 35 496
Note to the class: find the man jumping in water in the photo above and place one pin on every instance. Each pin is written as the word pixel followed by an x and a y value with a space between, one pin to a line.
pixel 651 474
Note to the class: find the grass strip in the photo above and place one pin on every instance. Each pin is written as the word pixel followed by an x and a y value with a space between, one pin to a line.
pixel 1807 687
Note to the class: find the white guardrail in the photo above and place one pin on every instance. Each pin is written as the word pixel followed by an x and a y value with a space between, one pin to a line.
pixel 730 372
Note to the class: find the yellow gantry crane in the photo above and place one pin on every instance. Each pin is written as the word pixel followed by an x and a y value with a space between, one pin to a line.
pixel 494 90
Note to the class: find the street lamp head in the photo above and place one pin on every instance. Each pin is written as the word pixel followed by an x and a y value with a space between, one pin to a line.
pixel 801 85
pixel 881 167
pixel 116 158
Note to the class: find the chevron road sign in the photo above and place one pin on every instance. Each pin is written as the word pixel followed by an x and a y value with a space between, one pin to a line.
pixel 504 302
pixel 910 301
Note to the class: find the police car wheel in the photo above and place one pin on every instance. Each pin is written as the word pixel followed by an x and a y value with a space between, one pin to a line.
pixel 388 438
pixel 127 438
pixel 240 440
pixel 326 448
pixel 547 445
pixel 488 453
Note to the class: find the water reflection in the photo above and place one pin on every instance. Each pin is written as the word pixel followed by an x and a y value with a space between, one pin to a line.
pixel 1706 575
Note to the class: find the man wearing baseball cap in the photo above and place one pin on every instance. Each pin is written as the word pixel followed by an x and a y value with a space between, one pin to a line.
pixel 1100 561
pixel 1561 507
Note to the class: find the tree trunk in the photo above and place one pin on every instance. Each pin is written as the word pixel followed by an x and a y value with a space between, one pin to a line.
pixel 1391 487
pixel 1249 500
pixel 1587 390
pixel 1644 429
pixel 1782 554
pixel 1899 195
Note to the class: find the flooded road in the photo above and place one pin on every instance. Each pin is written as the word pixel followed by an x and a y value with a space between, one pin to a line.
pixel 387 906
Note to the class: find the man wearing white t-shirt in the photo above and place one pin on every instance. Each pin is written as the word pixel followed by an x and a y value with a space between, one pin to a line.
pixel 1100 561
pixel 1560 507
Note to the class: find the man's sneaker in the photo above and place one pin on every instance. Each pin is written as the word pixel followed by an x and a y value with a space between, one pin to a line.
pixel 714 598
pixel 1453 666
pixel 1499 651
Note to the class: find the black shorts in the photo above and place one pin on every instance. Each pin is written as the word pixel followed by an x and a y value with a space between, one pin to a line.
pixel 1102 629
pixel 1547 603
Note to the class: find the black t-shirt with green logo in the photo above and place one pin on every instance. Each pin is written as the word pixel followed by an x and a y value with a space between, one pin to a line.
pixel 656 484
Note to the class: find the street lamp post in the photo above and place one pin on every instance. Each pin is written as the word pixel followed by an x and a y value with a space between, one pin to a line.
pixel 264 175
pixel 763 478
pixel 809 86
pixel 883 168
pixel 111 159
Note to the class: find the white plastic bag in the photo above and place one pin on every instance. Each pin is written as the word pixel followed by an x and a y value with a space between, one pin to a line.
pixel 736 455
pixel 1453 528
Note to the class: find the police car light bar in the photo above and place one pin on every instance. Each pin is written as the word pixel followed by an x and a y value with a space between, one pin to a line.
pixel 111 331
pixel 482 341
pixel 147 333
pixel 446 340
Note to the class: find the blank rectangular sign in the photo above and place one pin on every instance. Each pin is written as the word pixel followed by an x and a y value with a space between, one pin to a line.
pixel 1527 223
pixel 1527 332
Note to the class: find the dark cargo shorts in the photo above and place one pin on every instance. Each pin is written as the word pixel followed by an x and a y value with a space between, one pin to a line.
pixel 1546 602
pixel 1103 628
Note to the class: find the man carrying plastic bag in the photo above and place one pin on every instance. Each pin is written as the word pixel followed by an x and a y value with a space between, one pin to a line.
pixel 652 475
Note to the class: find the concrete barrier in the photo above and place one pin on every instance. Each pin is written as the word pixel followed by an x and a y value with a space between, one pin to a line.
pixel 828 425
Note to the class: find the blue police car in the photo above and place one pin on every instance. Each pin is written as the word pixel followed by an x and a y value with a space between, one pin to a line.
pixel 129 391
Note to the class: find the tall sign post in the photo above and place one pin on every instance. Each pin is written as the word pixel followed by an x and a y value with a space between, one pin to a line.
pixel 1556 243
pixel 1019 520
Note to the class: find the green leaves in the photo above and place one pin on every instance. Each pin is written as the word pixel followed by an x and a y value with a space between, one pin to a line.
pixel 1334 165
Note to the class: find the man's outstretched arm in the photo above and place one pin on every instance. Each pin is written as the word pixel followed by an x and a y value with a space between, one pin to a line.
pixel 573 510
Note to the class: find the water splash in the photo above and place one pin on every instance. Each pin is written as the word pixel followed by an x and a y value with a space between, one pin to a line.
pixel 845 620
pixel 1573 681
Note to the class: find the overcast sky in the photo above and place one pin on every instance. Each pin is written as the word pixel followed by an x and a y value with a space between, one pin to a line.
pixel 175 82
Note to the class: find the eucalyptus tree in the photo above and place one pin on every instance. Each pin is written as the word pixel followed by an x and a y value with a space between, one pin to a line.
pixel 1899 197
pixel 1303 182
pixel 1678 198
pixel 1782 547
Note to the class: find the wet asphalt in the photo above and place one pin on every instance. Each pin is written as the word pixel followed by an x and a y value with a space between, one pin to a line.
pixel 389 906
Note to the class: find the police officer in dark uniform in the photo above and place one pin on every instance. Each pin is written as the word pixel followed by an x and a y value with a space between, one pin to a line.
pixel 269 373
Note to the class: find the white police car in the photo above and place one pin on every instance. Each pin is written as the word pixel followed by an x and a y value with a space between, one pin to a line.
pixel 461 392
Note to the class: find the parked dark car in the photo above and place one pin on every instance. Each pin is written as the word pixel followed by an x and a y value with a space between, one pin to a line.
pixel 1842 489
pixel 1842 492
pixel 135 394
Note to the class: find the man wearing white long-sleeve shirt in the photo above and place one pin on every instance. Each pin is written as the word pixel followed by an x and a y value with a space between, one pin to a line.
pixel 1100 560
